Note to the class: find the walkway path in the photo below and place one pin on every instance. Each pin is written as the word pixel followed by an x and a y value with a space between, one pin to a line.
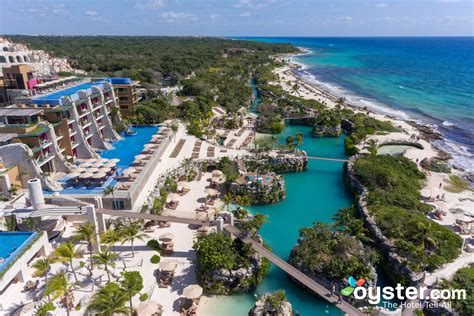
pixel 295 273
pixel 328 159
pixel 162 218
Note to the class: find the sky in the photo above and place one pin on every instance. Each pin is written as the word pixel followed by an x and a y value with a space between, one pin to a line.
pixel 239 17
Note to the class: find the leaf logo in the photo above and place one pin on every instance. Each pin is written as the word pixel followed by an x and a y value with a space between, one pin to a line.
pixel 347 291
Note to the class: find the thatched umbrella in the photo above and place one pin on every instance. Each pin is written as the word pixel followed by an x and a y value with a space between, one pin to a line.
pixel 86 175
pixel 167 266
pixel 73 175
pixel 85 165
pixel 173 197
pixel 97 165
pixel 149 308
pixel 105 170
pixel 129 171
pixel 91 160
pixel 114 160
pixel 210 192
pixel 166 237
pixel 110 164
pixel 78 170
pixel 217 173
pixel 192 291
pixel 201 216
pixel 99 175
pixel 93 170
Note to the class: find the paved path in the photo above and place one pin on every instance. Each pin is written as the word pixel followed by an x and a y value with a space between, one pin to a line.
pixel 295 273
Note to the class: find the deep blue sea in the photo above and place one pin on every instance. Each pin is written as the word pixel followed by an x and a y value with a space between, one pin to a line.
pixel 427 79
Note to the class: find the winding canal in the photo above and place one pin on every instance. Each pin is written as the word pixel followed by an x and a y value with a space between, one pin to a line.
pixel 314 195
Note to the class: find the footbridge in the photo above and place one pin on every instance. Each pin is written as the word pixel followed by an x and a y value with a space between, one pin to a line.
pixel 326 159
pixel 296 274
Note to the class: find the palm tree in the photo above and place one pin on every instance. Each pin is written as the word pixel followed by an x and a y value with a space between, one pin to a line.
pixel 111 237
pixel 132 284
pixel 228 198
pixel 299 138
pixel 372 148
pixel 131 233
pixel 65 253
pixel 109 300
pixel 340 102
pixel 59 286
pixel 86 233
pixel 42 268
pixel 110 190
pixel 106 258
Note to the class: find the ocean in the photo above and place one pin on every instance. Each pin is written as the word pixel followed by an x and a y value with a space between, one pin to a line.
pixel 426 79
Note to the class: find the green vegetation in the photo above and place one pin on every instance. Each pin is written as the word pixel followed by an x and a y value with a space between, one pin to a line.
pixel 143 297
pixel 456 184
pixel 131 283
pixel 332 255
pixel 155 259
pixel 229 168
pixel 154 111
pixel 149 59
pixel 109 300
pixel 44 308
pixel 394 201
pixel 464 279
pixel 154 244
pixel 219 252
pixel 362 125
pixel 439 167
pixel 107 259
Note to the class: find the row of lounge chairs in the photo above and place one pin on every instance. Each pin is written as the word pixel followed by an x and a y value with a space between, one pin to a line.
pixel 211 152
pixel 247 141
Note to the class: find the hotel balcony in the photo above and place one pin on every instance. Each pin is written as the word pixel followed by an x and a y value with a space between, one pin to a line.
pixel 85 124
pixel 44 159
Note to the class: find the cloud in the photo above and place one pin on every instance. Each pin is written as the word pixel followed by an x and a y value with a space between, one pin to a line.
pixel 150 4
pixel 245 14
pixel 60 12
pixel 214 16
pixel 381 5
pixel 91 13
pixel 175 16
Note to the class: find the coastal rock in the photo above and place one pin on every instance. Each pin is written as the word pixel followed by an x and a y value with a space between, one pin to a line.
pixel 279 162
pixel 426 132
pixel 325 131
pixel 272 304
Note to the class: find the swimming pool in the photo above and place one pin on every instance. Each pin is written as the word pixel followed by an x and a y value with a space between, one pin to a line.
pixel 125 149
pixel 12 244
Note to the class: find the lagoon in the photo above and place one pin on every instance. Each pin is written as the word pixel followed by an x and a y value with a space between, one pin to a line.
pixel 314 195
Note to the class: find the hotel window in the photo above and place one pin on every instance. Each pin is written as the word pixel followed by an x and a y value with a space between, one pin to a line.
pixel 123 98
pixel 122 89
pixel 118 205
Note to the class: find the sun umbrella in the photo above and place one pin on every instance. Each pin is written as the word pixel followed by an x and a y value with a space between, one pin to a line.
pixel 78 170
pixel 114 160
pixel 110 165
pixel 105 170
pixel 73 175
pixel 86 175
pixel 167 265
pixel 173 197
pixel 166 237
pixel 129 171
pixel 93 170
pixel 201 216
pixel 148 308
pixel 99 175
pixel 217 173
pixel 210 192
pixel 192 291
pixel 85 165
pixel 140 157
pixel 91 160
pixel 97 165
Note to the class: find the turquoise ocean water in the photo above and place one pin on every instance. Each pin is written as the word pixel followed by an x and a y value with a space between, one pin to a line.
pixel 428 79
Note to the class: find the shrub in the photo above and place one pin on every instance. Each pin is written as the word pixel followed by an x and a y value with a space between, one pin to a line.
pixel 155 259
pixel 154 244
pixel 456 184
pixel 143 297
pixel 439 167
pixel 43 309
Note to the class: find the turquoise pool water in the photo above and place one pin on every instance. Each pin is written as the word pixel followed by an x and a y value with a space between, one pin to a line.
pixel 314 195
pixel 131 145
pixel 11 245
pixel 125 149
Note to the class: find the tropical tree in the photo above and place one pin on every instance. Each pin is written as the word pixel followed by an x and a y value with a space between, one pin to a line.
pixel 132 284
pixel 86 233
pixel 66 253
pixel 42 267
pixel 109 300
pixel 44 309
pixel 340 102
pixel 289 141
pixel 227 199
pixel 131 233
pixel 59 286
pixel 106 258
pixel 372 146
pixel 299 138
pixel 109 190
pixel 111 237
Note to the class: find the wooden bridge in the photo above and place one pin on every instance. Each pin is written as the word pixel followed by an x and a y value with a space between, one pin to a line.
pixel 326 159
pixel 311 284
pixel 308 282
